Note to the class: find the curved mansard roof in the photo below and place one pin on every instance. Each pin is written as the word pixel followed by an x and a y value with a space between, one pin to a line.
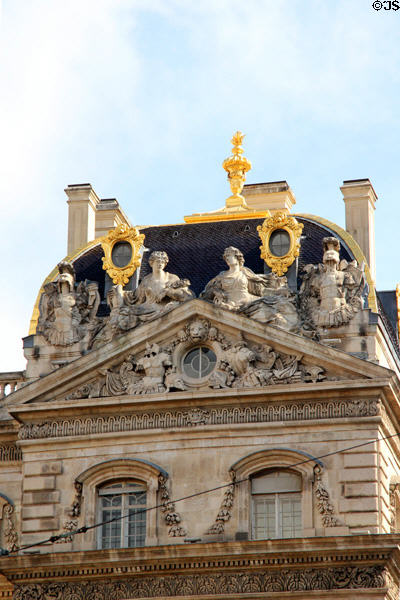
pixel 195 250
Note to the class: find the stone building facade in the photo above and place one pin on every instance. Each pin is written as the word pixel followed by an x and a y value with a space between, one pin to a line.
pixel 209 409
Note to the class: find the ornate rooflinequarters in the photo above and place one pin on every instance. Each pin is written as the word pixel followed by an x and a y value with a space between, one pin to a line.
pixel 209 409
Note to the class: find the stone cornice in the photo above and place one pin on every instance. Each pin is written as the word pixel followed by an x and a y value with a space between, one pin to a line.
pixel 328 390
pixel 314 553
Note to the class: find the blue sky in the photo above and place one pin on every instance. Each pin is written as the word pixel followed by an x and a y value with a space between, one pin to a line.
pixel 141 98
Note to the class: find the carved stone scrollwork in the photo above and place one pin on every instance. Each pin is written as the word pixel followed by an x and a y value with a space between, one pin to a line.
pixel 225 510
pixel 171 517
pixel 394 498
pixel 214 584
pixel 9 532
pixel 324 505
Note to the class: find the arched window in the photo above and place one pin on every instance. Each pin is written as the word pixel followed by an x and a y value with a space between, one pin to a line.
pixel 276 505
pixel 277 501
pixel 121 487
pixel 124 501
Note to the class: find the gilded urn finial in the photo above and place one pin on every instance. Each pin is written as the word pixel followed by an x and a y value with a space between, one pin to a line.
pixel 237 166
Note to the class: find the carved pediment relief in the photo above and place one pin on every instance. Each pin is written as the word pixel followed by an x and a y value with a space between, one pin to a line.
pixel 200 356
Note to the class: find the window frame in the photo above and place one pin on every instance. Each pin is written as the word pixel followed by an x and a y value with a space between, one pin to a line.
pixel 124 492
pixel 275 459
pixel 114 470
pixel 277 498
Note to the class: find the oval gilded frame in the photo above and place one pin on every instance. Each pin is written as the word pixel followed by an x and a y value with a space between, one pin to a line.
pixel 280 220
pixel 122 233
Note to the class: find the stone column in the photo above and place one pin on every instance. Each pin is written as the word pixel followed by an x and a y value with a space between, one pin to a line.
pixel 359 197
pixel 82 203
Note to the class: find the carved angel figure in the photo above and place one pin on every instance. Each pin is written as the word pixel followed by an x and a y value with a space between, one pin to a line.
pixel 331 293
pixel 68 312
pixel 265 298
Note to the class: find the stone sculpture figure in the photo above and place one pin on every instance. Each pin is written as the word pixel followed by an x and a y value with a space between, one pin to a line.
pixel 331 293
pixel 68 312
pixel 158 291
pixel 265 298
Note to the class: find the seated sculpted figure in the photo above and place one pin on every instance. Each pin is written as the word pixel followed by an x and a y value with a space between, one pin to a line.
pixel 265 298
pixel 158 291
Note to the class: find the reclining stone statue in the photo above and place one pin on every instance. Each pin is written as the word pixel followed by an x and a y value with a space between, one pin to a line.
pixel 265 298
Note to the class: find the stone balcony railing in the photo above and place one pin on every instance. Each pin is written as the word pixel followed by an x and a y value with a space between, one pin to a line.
pixel 11 381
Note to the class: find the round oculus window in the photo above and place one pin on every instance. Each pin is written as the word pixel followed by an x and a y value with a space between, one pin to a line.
pixel 121 254
pixel 279 242
pixel 199 362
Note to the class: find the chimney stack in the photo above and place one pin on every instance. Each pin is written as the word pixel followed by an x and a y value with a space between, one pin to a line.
pixel 272 196
pixel 82 202
pixel 359 197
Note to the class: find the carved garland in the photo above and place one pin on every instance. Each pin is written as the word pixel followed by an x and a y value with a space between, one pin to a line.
pixel 10 533
pixel 225 511
pixel 324 505
pixel 245 582
pixel 171 517
pixel 122 233
pixel 280 220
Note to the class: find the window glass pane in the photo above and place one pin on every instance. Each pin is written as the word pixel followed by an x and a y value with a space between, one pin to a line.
pixel 290 515
pixel 111 532
pixel 264 518
pixel 126 500
pixel 279 242
pixel 199 362
pixel 277 481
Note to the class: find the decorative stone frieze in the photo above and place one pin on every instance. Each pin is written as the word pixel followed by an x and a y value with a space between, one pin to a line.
pixel 232 582
pixel 226 415
pixel 10 452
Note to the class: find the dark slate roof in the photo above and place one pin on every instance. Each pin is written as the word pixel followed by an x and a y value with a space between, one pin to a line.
pixel 195 250
pixel 388 305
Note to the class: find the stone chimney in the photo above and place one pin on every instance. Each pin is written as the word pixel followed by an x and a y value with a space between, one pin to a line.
pixel 359 197
pixel 82 202
pixel 109 214
pixel 272 196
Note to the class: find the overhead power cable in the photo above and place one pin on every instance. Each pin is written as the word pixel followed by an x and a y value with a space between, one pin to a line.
pixel 55 538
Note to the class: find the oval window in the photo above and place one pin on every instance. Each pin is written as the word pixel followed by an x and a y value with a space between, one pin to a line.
pixel 199 362
pixel 121 254
pixel 279 242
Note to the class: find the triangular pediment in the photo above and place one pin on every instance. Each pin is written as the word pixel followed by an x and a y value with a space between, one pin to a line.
pixel 247 355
